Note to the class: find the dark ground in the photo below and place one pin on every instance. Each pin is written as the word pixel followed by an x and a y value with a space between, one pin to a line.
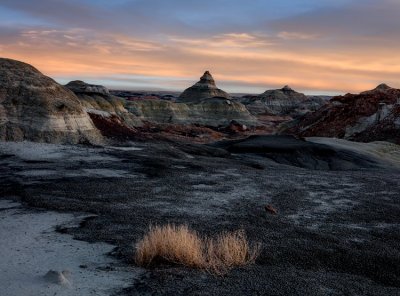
pixel 336 232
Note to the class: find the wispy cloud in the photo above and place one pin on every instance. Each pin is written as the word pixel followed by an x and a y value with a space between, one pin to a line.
pixel 347 45
pixel 296 35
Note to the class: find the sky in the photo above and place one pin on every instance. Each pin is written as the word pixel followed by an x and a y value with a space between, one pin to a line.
pixel 315 46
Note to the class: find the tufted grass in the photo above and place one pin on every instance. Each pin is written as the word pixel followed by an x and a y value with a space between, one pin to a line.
pixel 183 246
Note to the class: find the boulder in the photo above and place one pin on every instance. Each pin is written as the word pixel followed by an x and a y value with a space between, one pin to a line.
pixel 58 278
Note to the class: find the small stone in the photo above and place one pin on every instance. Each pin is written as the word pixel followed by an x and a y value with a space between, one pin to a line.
pixel 56 277
pixel 270 209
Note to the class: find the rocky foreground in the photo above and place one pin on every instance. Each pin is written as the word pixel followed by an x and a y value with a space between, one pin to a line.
pixel 336 231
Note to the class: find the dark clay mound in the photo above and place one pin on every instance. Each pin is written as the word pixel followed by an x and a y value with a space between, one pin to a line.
pixel 296 152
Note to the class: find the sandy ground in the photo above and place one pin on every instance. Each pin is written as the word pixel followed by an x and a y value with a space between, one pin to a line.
pixel 30 247
pixel 336 232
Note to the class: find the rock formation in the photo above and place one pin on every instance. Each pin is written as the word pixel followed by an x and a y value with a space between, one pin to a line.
pixel 34 107
pixel 213 111
pixel 80 87
pixel 282 102
pixel 210 112
pixel 372 115
pixel 205 88
pixel 98 100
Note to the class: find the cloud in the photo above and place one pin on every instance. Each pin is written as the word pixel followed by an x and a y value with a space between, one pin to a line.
pixel 181 17
pixel 64 14
pixel 343 47
pixel 295 35
pixel 359 18
pixel 229 41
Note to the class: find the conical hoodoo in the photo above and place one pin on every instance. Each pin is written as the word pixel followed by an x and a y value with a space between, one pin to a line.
pixel 207 80
pixel 203 89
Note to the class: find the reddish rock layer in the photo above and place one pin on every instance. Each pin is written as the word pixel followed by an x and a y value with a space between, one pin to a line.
pixel 114 128
pixel 369 116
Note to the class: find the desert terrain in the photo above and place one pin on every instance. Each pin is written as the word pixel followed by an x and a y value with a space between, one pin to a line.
pixel 336 231
pixel 86 172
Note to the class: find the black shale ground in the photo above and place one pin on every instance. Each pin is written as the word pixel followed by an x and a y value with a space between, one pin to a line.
pixel 336 232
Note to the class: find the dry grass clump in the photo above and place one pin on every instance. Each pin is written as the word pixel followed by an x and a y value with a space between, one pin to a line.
pixel 181 245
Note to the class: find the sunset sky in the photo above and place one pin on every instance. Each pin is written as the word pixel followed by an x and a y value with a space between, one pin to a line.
pixel 315 46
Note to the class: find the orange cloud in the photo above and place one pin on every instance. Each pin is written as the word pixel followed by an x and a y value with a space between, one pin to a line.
pixel 296 35
pixel 253 61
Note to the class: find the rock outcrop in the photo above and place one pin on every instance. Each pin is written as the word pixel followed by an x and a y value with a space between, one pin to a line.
pixel 98 100
pixel 213 112
pixel 210 112
pixel 36 108
pixel 80 87
pixel 372 115
pixel 204 89
pixel 282 102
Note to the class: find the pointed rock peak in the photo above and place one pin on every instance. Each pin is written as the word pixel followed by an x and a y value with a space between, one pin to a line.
pixel 207 79
pixel 287 88
pixel 382 86
pixel 203 89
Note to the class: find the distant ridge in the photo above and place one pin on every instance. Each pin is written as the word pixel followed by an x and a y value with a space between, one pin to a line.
pixel 282 102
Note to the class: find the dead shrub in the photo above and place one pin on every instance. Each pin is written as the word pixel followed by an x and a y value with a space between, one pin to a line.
pixel 183 246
